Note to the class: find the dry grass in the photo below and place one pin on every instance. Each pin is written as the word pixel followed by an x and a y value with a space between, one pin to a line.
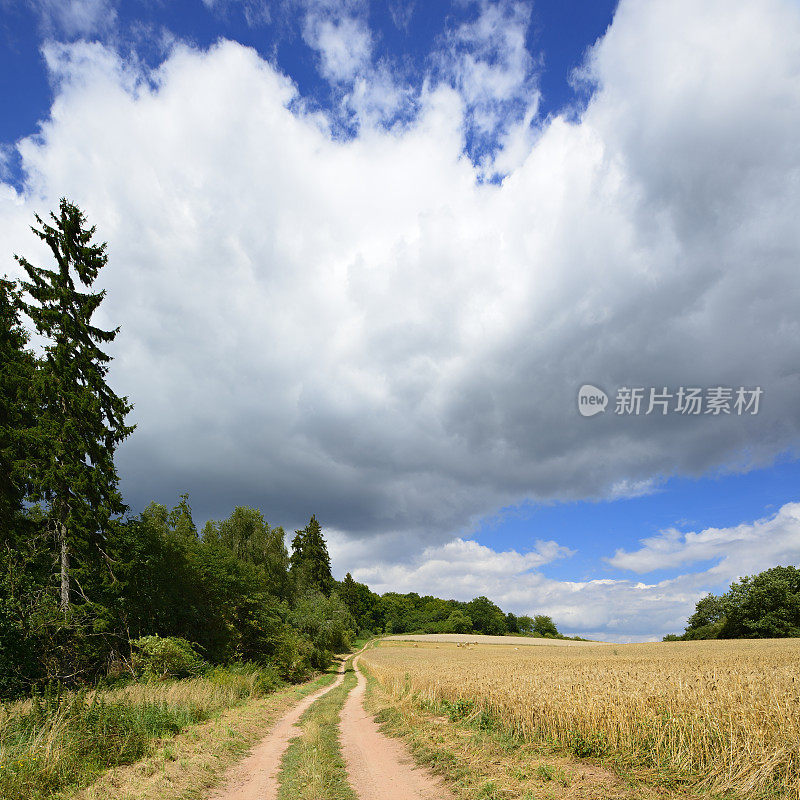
pixel 59 743
pixel 724 714
pixel 190 764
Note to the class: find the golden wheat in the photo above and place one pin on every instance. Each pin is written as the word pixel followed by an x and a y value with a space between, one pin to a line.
pixel 725 712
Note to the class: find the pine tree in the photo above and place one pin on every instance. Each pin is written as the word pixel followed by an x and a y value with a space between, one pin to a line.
pixel 16 413
pixel 310 562
pixel 80 420
pixel 296 559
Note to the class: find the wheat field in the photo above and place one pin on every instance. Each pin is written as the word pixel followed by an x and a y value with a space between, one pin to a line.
pixel 724 714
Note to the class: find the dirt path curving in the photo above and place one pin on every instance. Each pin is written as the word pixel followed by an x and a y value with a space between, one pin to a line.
pixel 256 777
pixel 379 767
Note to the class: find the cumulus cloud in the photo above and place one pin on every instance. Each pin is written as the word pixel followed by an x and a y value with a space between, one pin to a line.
pixel 744 549
pixel 462 566
pixel 611 609
pixel 608 609
pixel 361 329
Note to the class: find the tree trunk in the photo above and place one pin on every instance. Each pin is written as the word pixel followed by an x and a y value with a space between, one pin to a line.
pixel 62 541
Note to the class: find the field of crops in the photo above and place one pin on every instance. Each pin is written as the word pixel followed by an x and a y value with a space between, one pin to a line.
pixel 723 713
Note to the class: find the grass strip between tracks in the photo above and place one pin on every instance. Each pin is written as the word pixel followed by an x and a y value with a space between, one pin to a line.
pixel 313 767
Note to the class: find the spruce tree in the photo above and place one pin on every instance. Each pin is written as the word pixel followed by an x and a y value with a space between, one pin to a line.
pixel 80 420
pixel 310 562
pixel 16 412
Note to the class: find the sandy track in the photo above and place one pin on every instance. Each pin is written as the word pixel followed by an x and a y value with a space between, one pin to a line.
pixel 379 767
pixel 256 777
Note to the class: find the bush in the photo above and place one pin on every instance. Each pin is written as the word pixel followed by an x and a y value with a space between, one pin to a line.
pixel 158 658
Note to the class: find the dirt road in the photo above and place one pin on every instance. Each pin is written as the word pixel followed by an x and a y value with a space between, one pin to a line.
pixel 256 778
pixel 379 767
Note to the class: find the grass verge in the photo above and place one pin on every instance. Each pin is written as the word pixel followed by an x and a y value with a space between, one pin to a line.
pixel 165 740
pixel 313 767
pixel 482 761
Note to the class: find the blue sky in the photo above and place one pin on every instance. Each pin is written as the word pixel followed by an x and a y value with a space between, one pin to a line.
pixel 365 254
pixel 558 33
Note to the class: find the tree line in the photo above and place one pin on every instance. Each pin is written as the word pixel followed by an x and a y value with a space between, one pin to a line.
pixel 84 585
pixel 762 606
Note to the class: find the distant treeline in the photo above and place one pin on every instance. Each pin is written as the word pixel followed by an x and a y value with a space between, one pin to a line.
pixel 88 593
pixel 763 606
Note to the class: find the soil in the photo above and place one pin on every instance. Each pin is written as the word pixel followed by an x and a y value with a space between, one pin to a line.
pixel 256 777
pixel 379 767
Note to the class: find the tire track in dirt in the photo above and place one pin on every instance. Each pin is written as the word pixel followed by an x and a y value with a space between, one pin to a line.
pixel 379 767
pixel 256 777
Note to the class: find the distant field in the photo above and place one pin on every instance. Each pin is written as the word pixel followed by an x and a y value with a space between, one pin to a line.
pixel 724 715
pixel 472 638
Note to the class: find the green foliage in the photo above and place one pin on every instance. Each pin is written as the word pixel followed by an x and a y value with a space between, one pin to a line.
pixel 326 622
pixel 766 605
pixel 525 624
pixel 486 617
pixel 310 562
pixel 544 626
pixel 458 709
pixel 79 419
pixel 159 658
pixel 761 606
pixel 363 604
pixel 248 536
pixel 458 622
pixel 588 745
pixel 17 366
pixel 180 520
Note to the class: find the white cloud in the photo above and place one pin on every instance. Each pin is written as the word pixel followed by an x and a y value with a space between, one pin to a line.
pixel 461 567
pixel 610 609
pixel 360 329
pixel 73 18
pixel 344 45
pixel 368 93
pixel 487 61
pixel 744 549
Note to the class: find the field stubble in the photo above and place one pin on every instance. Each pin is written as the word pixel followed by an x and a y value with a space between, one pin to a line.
pixel 724 714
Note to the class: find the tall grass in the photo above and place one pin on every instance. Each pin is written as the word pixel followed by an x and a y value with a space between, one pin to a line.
pixel 64 740
pixel 723 714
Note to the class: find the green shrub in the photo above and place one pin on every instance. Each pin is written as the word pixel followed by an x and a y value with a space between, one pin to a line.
pixel 158 658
